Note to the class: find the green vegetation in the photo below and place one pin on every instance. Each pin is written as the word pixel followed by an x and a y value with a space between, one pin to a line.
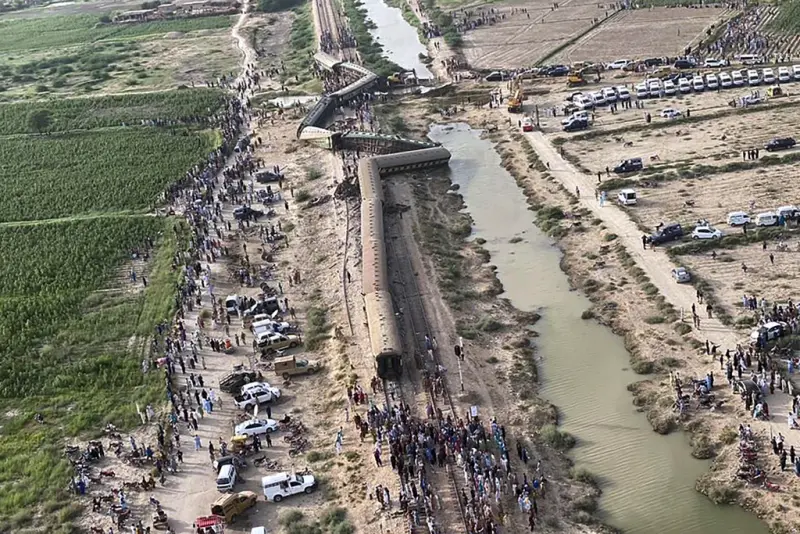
pixel 115 110
pixel 272 6
pixel 61 355
pixel 333 521
pixel 558 439
pixel 302 44
pixel 54 32
pixel 317 328
pixel 788 18
pixel 95 171
pixel 371 51
pixel 444 21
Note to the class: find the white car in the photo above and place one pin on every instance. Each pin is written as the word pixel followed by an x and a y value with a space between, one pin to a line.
pixel 725 80
pixel 738 79
pixel 584 102
pixel 706 232
pixel 711 81
pixel 771 330
pixel 641 91
pixel 684 86
pixel 738 218
pixel 697 84
pixel 281 485
pixel 796 72
pixel 618 64
pixel 623 93
pixel 256 427
pixel 768 76
pixel 669 88
pixel 784 74
pixel 610 94
pixel 654 89
pixel 713 62
pixel 261 386
pixel 598 98
pixel 670 113
pixel 753 77
pixel 578 115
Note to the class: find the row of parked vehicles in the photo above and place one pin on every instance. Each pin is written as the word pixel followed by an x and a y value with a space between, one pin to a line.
pixel 685 84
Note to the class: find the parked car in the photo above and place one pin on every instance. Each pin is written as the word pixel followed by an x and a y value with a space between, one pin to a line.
pixel 706 232
pixel 527 125
pixel 768 218
pixel 623 93
pixel 669 88
pixel 281 485
pixel 558 70
pixel 222 461
pixel 684 86
pixel 496 76
pixel 683 64
pixel 256 427
pixel 641 91
pixel 697 84
pixel 627 197
pixel 725 80
pixel 598 98
pixel 712 82
pixel 771 331
pixel 681 275
pixel 575 125
pixel 287 366
pixel 609 94
pixel 629 165
pixel 654 89
pixel 256 396
pixel 788 212
pixel 768 75
pixel 753 78
pixel 227 477
pixel 738 218
pixel 670 232
pixel 618 64
pixel 780 143
pixel 231 507
pixel 577 115
pixel 713 62
pixel 670 113
pixel 738 79
pixel 784 74
pixel 796 72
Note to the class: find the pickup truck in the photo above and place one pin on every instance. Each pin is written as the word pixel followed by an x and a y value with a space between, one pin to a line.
pixel 256 396
pixel 278 342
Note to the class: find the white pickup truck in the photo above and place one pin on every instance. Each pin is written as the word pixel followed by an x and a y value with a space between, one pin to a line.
pixel 255 396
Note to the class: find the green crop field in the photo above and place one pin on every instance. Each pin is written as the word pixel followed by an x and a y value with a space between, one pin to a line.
pixel 57 32
pixel 45 177
pixel 788 18
pixel 60 349
pixel 106 111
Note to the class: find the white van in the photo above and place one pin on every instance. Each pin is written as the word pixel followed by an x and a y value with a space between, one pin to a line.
pixel 669 88
pixel 654 89
pixel 738 218
pixel 752 77
pixel 641 91
pixel 711 81
pixel 725 80
pixel 610 94
pixel 685 86
pixel 627 197
pixel 623 93
pixel 697 83
pixel 767 218
pixel 226 478
pixel 769 76
pixel 738 79
pixel 232 304
pixel 784 74
pixel 750 59
pixel 281 485
pixel 796 72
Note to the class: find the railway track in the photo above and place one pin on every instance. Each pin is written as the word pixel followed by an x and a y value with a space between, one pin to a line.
pixel 414 390
pixel 334 35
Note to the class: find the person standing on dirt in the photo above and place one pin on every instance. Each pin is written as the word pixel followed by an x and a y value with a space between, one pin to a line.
pixel 644 242
pixel 710 311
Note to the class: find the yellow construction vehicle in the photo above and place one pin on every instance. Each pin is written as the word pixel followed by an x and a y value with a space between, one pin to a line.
pixel 578 77
pixel 776 91
pixel 575 79
pixel 517 96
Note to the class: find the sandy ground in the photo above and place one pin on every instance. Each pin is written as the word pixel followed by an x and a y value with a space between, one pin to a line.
pixel 519 41
pixel 668 30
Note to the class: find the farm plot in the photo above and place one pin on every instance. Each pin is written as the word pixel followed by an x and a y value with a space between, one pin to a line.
pixel 56 32
pixel 95 171
pixel 662 31
pixel 518 41
pixel 688 200
pixel 64 351
pixel 716 141
pixel 114 110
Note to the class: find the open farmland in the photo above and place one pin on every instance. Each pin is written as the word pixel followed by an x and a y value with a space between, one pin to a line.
pixel 56 32
pixel 95 171
pixel 664 32
pixel 519 41
pixel 64 350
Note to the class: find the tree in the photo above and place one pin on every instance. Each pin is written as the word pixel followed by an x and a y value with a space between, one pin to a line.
pixel 39 120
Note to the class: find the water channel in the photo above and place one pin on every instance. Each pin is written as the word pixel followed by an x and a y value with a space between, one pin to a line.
pixel 647 479
pixel 399 39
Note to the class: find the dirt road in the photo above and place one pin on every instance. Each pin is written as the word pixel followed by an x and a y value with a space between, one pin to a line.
pixel 655 263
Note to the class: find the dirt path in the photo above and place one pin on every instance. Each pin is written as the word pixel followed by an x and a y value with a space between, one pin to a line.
pixel 656 264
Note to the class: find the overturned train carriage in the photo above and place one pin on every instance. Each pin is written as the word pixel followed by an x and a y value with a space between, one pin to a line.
pixel 384 337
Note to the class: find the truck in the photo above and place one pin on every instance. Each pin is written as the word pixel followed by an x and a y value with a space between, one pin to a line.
pixel 276 341
pixel 287 366
pixel 256 396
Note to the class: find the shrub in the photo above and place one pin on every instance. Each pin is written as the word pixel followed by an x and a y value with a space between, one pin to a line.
pixel 558 439
pixel 302 195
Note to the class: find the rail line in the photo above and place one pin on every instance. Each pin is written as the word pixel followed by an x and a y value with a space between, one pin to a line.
pixel 414 325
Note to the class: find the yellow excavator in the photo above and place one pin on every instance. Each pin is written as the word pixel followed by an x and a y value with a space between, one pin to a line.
pixel 517 95
pixel 578 77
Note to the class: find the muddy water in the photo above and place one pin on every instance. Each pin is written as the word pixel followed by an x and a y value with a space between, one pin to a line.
pixel 647 479
pixel 400 39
